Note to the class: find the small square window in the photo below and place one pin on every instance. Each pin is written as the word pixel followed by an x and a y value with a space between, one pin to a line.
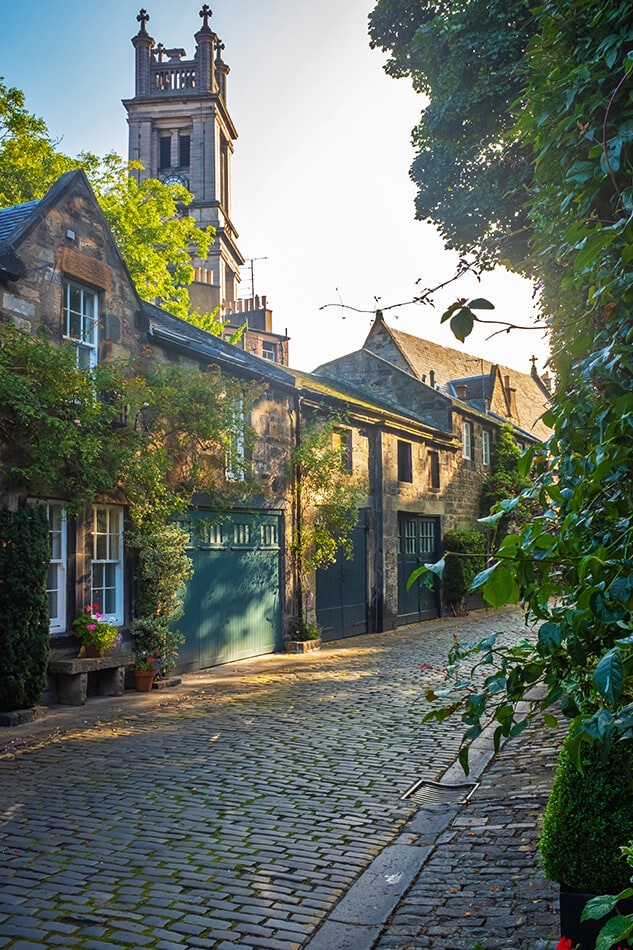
pixel 405 466
pixel 269 351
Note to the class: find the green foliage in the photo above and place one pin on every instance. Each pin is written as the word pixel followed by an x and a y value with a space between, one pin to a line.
pixel 329 496
pixel 29 161
pixel 91 627
pixel 60 428
pixel 163 569
pixel 472 170
pixel 24 634
pixel 571 562
pixel 465 550
pixel 155 237
pixel 506 482
pixel 55 431
pixel 587 818
pixel 620 926
pixel 303 630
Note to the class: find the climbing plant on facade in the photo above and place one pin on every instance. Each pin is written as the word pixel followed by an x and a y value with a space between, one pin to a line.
pixel 328 496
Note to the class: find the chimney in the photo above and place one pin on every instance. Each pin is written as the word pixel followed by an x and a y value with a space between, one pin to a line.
pixel 432 379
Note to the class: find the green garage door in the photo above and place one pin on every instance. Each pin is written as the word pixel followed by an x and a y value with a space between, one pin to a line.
pixel 341 591
pixel 232 607
pixel 418 544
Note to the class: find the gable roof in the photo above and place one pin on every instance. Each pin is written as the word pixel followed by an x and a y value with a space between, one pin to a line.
pixel 169 330
pixel 519 398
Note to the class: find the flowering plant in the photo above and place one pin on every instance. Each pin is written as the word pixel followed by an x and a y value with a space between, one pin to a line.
pixel 95 630
pixel 146 663
pixel 305 630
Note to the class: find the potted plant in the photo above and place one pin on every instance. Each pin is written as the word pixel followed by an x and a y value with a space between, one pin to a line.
pixel 146 668
pixel 304 636
pixel 587 819
pixel 97 634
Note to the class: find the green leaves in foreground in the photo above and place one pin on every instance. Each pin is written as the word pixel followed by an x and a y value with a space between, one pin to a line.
pixel 461 316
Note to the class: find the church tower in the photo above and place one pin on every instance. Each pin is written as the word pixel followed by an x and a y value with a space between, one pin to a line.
pixel 181 131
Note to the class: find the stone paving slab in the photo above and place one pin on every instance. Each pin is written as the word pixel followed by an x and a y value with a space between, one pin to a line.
pixel 235 811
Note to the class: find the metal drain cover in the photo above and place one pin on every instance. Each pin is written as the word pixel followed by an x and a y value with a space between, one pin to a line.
pixel 426 792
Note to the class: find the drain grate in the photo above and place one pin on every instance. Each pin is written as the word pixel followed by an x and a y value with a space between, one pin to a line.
pixel 426 792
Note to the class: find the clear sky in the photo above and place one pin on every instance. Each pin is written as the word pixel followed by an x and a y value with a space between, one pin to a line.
pixel 322 198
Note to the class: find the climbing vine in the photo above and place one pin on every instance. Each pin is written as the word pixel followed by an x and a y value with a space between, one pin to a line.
pixel 328 496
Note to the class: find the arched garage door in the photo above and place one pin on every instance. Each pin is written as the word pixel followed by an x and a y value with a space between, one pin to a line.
pixel 232 606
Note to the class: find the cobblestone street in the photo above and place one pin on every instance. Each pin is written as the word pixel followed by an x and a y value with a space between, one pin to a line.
pixel 239 808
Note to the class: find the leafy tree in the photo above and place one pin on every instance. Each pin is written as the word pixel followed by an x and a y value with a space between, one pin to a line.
pixel 29 160
pixel 155 237
pixel 472 169
pixel 572 564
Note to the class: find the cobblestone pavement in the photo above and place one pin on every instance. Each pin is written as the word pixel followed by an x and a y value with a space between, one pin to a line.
pixel 482 882
pixel 237 809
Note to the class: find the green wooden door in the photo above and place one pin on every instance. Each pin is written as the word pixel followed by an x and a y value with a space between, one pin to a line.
pixel 341 591
pixel 418 544
pixel 232 606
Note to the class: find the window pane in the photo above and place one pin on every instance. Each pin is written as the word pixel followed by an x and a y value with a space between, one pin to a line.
pixel 53 603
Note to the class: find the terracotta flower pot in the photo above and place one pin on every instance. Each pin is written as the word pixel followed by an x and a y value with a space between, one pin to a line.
pixel 92 651
pixel 143 680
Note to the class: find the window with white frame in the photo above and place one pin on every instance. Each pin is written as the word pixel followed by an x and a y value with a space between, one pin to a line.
pixel 56 577
pixel 107 561
pixel 236 451
pixel 485 447
pixel 81 320
pixel 467 440
pixel 269 351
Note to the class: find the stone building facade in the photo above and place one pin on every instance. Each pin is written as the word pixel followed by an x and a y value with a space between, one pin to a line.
pixel 60 269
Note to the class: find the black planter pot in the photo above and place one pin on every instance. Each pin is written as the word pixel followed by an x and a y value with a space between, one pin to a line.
pixel 585 933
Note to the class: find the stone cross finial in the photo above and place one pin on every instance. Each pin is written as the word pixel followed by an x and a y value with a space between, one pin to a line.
pixel 205 13
pixel 533 360
pixel 160 52
pixel 219 48
pixel 142 18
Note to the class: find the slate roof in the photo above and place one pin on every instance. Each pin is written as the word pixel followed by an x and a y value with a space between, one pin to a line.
pixel 360 400
pixel 172 330
pixel 451 367
pixel 12 219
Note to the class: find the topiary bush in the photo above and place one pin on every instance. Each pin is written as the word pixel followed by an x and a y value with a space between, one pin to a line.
pixel 24 624
pixel 588 818
pixel 459 571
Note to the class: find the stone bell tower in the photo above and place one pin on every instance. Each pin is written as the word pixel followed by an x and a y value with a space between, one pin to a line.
pixel 181 131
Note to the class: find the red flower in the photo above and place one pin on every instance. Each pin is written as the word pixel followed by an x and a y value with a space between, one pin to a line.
pixel 564 944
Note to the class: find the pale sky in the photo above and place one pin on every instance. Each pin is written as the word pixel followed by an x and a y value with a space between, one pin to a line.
pixel 322 198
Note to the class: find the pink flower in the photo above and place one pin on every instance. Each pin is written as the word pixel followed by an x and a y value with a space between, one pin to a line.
pixel 91 626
